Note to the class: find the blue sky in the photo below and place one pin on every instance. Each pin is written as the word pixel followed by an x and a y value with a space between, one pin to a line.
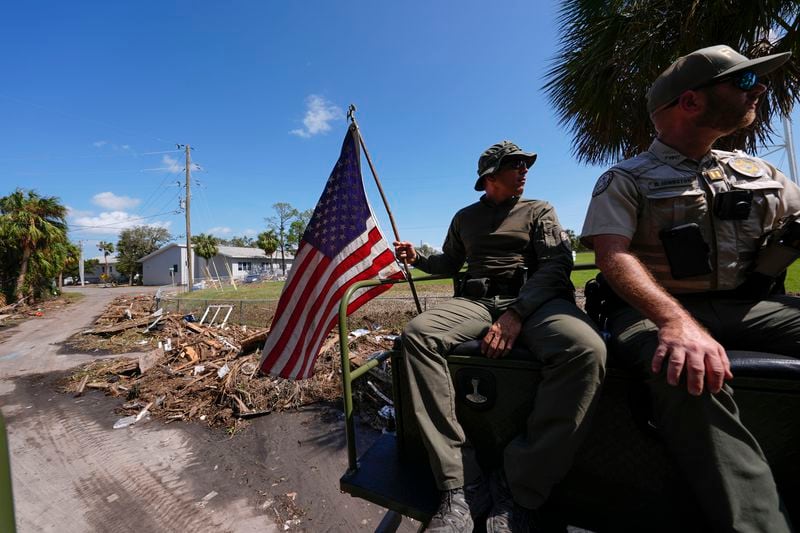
pixel 95 97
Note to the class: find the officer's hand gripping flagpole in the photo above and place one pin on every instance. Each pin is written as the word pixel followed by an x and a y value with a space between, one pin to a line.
pixel 351 115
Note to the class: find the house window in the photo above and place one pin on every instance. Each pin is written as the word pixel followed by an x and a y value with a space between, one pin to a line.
pixel 174 268
pixel 244 266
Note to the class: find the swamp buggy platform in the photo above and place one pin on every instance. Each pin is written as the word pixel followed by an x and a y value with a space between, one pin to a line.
pixel 622 478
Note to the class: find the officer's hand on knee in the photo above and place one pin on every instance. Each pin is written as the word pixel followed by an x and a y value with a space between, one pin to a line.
pixel 691 348
pixel 501 336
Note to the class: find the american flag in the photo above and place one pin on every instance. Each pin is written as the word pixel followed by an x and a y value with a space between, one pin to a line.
pixel 342 244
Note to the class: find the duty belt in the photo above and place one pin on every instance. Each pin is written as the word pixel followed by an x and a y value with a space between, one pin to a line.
pixel 476 288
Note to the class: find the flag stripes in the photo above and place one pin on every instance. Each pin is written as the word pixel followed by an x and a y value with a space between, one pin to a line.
pixel 316 305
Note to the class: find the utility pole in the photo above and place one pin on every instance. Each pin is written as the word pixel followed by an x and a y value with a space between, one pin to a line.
pixel 81 272
pixel 188 217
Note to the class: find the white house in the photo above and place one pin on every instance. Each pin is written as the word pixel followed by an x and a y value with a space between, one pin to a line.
pixel 93 276
pixel 167 265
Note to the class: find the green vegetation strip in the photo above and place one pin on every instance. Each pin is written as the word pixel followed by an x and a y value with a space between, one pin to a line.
pixel 271 290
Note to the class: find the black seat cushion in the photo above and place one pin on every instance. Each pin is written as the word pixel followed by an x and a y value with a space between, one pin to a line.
pixel 473 349
pixel 764 365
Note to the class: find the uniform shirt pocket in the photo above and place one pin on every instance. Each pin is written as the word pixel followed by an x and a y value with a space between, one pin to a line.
pixel 668 209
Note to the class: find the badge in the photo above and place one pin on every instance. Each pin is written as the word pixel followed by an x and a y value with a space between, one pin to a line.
pixel 602 183
pixel 714 174
pixel 746 166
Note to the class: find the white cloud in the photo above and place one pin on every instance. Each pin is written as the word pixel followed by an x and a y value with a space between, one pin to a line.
pixel 73 213
pixel 250 232
pixel 319 114
pixel 109 200
pixel 112 222
pixel 171 164
pixel 113 146
pixel 220 230
pixel 175 166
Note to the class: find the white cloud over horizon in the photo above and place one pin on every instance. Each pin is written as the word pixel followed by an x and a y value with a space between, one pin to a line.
pixel 220 230
pixel 111 222
pixel 109 200
pixel 319 114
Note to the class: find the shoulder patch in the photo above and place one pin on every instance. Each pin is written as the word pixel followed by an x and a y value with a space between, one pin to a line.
pixel 746 166
pixel 602 183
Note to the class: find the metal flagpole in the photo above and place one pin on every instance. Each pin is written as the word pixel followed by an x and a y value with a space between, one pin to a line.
pixel 789 145
pixel 351 114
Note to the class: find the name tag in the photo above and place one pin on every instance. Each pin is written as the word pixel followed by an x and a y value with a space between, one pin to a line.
pixel 675 182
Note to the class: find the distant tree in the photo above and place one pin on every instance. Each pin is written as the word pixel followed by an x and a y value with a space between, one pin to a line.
pixel 107 248
pixel 135 243
pixel 206 247
pixel 426 249
pixel 612 50
pixel 69 264
pixel 90 265
pixel 268 242
pixel 280 224
pixel 244 242
pixel 297 228
pixel 575 241
pixel 30 225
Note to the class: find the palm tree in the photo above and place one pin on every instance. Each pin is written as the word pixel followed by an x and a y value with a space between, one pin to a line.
pixel 33 222
pixel 206 247
pixel 612 50
pixel 68 255
pixel 107 248
pixel 268 241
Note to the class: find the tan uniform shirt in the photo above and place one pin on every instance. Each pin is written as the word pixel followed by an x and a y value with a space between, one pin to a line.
pixel 662 189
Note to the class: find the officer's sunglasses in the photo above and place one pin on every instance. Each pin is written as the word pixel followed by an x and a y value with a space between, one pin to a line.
pixel 745 81
pixel 515 164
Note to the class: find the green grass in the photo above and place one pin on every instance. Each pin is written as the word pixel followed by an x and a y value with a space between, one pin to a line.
pixel 267 290
pixel 73 297
pixel 793 278
pixel 580 277
pixel 271 290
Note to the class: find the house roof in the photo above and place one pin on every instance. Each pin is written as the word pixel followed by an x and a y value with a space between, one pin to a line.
pixel 247 253
pixel 112 259
pixel 161 250
pixel 233 252
pixel 241 251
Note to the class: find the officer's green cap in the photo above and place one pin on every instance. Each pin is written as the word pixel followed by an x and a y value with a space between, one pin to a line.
pixel 490 160
pixel 704 66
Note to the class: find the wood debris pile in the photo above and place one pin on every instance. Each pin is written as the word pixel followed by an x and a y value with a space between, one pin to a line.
pixel 10 313
pixel 210 374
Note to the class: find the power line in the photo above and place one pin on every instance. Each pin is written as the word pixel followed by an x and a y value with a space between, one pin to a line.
pixel 124 222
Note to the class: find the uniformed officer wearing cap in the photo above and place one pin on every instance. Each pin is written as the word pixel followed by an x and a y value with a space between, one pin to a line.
pixel 503 305
pixel 676 232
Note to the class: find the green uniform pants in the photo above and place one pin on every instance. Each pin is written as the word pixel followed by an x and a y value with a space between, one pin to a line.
pixel 721 460
pixel 560 337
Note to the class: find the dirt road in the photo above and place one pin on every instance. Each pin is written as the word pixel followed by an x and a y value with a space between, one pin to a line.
pixel 72 472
